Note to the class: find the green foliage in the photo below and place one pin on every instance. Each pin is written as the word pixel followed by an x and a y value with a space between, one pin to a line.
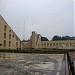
pixel 56 38
pixel 42 51
pixel 44 39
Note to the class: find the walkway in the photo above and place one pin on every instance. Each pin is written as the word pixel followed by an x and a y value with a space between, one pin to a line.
pixel 33 64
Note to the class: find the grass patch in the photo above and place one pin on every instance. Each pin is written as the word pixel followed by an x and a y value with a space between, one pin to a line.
pixel 43 51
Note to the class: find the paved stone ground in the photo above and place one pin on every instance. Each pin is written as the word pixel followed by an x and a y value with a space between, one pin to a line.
pixel 32 64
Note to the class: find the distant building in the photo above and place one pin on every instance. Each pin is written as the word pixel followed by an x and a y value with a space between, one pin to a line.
pixel 8 39
pixel 33 42
pixel 36 43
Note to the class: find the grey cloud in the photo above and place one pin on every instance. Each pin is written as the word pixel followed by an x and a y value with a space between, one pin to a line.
pixel 47 17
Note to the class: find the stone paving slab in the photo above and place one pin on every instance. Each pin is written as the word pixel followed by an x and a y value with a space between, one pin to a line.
pixel 31 64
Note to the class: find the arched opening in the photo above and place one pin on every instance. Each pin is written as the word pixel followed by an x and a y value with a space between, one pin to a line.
pixel 5 28
pixel 4 43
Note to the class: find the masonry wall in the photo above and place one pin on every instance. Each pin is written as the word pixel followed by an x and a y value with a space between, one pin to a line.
pixel 35 40
pixel 65 44
pixel 8 39
pixel 36 43
pixel 27 44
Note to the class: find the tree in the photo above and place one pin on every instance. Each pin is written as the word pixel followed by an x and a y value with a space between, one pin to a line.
pixel 56 37
pixel 44 39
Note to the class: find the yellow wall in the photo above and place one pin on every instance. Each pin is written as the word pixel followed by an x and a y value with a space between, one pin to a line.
pixel 36 43
pixel 14 41
pixel 65 44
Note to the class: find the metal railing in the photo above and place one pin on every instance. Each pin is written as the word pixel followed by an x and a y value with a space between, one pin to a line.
pixel 70 65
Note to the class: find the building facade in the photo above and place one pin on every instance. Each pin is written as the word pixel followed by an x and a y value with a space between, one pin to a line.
pixel 36 43
pixel 8 38
pixel 33 42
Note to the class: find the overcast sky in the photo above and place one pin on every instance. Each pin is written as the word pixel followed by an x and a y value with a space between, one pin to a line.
pixel 46 17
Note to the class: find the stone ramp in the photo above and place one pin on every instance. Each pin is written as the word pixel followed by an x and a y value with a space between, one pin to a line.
pixel 64 67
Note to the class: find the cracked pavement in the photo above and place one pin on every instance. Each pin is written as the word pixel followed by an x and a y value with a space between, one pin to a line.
pixel 30 64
